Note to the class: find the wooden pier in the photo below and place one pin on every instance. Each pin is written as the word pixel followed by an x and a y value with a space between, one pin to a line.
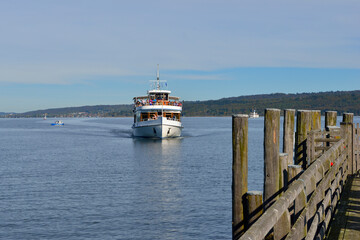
pixel 311 189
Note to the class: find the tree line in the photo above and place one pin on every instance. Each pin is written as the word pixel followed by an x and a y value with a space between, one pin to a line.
pixel 341 101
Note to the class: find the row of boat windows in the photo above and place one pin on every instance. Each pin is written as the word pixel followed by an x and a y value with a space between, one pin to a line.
pixel 159 96
pixel 148 116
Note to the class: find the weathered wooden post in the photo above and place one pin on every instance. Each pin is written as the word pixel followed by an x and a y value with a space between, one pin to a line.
pixel 316 120
pixel 254 208
pixel 239 172
pixel 356 150
pixel 271 156
pixel 315 126
pixel 330 119
pixel 288 134
pixel 293 171
pixel 282 227
pixel 303 126
pixel 283 172
pixel 348 119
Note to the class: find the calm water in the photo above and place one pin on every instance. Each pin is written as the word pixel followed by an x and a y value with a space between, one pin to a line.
pixel 91 180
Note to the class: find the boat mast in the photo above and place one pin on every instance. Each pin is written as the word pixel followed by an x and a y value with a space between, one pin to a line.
pixel 158 78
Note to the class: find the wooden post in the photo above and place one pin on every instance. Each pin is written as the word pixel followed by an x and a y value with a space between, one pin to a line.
pixel 353 141
pixel 288 134
pixel 348 120
pixel 357 133
pixel 310 148
pixel 240 172
pixel 315 126
pixel 348 117
pixel 254 208
pixel 283 172
pixel 330 121
pixel 283 226
pixel 316 120
pixel 330 118
pixel 271 156
pixel 293 171
pixel 303 126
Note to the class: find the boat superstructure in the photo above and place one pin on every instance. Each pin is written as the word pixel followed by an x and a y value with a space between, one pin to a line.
pixel 254 114
pixel 157 114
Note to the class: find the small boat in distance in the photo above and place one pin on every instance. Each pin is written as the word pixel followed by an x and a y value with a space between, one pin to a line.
pixel 254 114
pixel 58 123
pixel 157 115
pixel 45 116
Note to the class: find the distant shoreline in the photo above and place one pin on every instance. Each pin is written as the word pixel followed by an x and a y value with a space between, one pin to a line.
pixel 340 101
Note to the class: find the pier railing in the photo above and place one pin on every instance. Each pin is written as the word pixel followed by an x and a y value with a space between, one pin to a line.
pixel 298 199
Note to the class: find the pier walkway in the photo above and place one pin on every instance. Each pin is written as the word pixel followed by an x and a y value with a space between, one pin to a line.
pixel 346 221
pixel 311 188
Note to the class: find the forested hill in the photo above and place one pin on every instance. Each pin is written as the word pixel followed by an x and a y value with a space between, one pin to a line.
pixel 341 101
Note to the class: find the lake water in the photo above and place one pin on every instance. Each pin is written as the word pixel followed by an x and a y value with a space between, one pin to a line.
pixel 91 180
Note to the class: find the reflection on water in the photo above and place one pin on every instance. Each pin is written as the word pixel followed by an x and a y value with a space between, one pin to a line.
pixel 158 146
pixel 159 183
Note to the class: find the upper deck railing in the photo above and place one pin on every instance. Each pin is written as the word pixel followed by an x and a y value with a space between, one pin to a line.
pixel 140 103
pixel 299 199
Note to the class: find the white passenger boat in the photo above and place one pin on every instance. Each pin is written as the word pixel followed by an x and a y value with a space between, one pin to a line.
pixel 254 114
pixel 58 123
pixel 157 115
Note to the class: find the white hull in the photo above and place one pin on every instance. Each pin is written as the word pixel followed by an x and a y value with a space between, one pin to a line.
pixel 159 128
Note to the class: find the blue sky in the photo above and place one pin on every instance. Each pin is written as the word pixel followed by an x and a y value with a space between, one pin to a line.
pixel 74 53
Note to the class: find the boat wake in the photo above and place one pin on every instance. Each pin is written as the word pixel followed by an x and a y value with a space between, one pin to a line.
pixel 123 133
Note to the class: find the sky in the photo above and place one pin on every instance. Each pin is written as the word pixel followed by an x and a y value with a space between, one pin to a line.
pixel 75 53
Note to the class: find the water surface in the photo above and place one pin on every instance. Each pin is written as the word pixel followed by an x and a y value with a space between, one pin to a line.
pixel 91 180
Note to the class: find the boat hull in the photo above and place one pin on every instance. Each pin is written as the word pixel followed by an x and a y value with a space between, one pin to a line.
pixel 160 128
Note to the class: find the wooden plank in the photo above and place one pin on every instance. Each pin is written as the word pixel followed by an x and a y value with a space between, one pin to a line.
pixel 346 222
pixel 327 139
pixel 322 148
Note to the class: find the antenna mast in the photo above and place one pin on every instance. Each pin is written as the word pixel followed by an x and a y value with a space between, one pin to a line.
pixel 158 78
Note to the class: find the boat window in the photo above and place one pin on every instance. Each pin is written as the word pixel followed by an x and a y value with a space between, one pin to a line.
pixel 153 115
pixel 144 117
pixel 176 116
pixel 138 117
